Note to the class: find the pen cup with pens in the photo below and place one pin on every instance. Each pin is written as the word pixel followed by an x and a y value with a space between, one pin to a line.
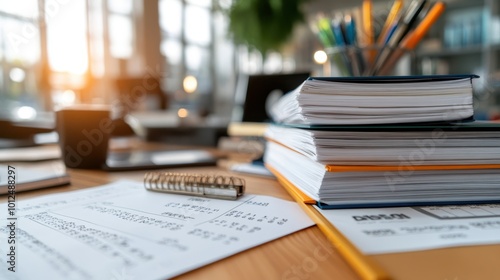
pixel 356 47
pixel 352 61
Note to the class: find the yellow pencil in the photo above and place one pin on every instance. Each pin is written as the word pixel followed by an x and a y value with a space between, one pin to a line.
pixel 368 29
pixel 389 22
pixel 413 38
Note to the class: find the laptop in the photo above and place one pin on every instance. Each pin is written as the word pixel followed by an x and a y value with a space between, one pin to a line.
pixel 255 94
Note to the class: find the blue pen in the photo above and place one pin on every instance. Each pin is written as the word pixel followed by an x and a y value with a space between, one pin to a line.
pixel 390 33
pixel 358 63
pixel 324 25
pixel 337 32
pixel 350 30
pixel 347 55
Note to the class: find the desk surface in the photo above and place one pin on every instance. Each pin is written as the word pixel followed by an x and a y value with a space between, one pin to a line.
pixel 306 254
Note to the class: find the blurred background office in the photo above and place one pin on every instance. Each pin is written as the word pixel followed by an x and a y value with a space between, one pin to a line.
pixel 177 55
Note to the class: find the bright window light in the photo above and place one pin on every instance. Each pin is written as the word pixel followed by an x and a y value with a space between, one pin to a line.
pixel 26 113
pixel 190 84
pixel 17 74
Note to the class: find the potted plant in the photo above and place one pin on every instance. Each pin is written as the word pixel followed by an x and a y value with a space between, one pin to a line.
pixel 264 25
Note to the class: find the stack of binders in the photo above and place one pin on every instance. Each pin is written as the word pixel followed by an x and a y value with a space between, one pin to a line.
pixel 384 141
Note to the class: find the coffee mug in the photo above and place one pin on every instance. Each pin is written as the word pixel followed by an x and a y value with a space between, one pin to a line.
pixel 84 133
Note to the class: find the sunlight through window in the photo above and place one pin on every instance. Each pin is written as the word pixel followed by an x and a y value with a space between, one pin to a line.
pixel 67 44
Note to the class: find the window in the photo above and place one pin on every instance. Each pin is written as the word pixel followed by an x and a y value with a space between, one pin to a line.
pixel 62 52
pixel 19 57
pixel 121 28
pixel 187 45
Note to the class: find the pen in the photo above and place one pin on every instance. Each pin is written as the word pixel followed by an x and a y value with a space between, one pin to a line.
pixel 414 37
pixel 389 34
pixel 350 30
pixel 403 27
pixel 368 28
pixel 340 40
pixel 411 41
pixel 390 22
pixel 338 58
pixel 325 27
pixel 423 13
pixel 337 31
pixel 321 36
pixel 350 35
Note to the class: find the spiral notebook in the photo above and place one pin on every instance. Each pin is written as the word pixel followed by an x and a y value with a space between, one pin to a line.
pixel 212 186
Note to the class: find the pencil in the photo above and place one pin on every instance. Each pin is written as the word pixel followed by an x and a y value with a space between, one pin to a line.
pixel 368 29
pixel 411 40
pixel 404 25
pixel 390 21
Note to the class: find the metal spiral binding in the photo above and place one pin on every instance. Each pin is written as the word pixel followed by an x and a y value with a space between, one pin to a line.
pixel 214 186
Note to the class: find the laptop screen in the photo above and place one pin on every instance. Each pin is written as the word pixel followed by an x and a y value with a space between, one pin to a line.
pixel 258 92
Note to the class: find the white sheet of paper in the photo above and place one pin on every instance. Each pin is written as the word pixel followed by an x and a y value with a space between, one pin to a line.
pixel 122 231
pixel 403 229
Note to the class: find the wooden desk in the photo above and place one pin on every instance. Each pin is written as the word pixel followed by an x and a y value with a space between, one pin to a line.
pixel 306 254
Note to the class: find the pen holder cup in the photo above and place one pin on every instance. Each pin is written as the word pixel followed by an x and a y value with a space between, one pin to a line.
pixel 368 61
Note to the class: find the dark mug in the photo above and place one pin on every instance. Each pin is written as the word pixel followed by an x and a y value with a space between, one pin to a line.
pixel 84 133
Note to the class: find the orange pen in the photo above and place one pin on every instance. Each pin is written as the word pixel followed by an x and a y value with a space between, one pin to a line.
pixel 414 37
pixel 411 40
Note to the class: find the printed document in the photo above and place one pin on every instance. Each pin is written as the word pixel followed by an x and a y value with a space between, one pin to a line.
pixel 403 229
pixel 122 231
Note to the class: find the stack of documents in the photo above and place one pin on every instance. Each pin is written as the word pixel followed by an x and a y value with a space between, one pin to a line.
pixel 375 186
pixel 378 100
pixel 371 147
pixel 468 143
pixel 384 141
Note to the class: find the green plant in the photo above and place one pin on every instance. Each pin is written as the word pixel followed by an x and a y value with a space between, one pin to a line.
pixel 264 24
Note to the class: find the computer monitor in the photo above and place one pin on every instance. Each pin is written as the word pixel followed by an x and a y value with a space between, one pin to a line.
pixel 258 92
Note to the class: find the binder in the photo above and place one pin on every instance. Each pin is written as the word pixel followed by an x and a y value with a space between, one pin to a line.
pixel 465 262
pixel 212 186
